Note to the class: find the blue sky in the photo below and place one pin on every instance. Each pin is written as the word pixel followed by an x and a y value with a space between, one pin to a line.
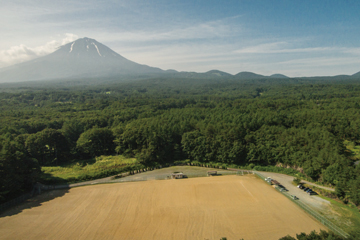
pixel 296 38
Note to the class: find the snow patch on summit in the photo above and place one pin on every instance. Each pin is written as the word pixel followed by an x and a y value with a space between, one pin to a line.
pixel 71 48
pixel 96 49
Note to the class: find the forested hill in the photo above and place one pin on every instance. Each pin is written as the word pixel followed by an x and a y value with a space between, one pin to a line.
pixel 300 123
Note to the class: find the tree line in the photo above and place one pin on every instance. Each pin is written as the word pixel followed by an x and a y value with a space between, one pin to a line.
pixel 297 124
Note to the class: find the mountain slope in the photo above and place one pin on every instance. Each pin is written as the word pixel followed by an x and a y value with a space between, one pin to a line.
pixel 84 57
pixel 356 75
pixel 277 75
pixel 218 73
pixel 248 75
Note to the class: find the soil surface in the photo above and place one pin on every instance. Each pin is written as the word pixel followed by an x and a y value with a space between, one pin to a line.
pixel 195 208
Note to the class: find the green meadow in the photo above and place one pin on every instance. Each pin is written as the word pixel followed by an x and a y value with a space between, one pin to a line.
pixel 83 170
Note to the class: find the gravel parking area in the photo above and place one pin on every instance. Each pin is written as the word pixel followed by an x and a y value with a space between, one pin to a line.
pixel 314 201
pixel 163 173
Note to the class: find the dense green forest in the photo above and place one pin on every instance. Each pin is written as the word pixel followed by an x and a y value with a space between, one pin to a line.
pixel 297 123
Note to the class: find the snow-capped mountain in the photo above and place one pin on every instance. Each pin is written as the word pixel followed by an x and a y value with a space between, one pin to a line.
pixel 84 57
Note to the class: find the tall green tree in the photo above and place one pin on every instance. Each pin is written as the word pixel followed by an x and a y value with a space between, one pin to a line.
pixel 18 171
pixel 48 146
pixel 96 142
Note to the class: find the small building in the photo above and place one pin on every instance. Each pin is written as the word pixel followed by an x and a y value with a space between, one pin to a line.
pixel 177 175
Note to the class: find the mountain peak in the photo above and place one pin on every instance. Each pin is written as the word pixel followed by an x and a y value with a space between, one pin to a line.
pixel 218 73
pixel 278 75
pixel 248 75
pixel 87 47
pixel 84 57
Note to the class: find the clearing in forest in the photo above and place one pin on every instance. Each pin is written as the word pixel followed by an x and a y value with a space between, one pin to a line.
pixel 196 208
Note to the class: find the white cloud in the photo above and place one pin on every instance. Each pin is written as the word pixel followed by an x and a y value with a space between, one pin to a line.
pixel 69 38
pixel 21 53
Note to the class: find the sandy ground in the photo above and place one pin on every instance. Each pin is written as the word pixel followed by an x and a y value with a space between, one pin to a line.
pixel 196 208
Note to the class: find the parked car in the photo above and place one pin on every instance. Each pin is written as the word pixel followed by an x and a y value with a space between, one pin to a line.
pixel 309 190
pixel 305 189
pixel 294 197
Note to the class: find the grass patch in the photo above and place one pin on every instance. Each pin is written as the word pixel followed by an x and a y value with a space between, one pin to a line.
pixel 322 192
pixel 347 217
pixel 84 170
pixel 296 181
pixel 288 171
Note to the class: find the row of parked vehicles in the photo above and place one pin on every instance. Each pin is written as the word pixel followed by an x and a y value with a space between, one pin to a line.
pixel 306 189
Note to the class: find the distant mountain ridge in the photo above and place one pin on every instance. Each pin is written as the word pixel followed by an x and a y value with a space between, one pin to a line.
pixel 218 73
pixel 87 58
pixel 248 75
pixel 251 75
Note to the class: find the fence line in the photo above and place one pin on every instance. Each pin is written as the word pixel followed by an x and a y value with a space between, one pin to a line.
pixel 310 211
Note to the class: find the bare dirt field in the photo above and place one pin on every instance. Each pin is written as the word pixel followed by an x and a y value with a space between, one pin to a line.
pixel 196 208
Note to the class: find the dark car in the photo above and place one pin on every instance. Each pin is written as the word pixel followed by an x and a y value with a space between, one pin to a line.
pixel 305 189
pixel 309 190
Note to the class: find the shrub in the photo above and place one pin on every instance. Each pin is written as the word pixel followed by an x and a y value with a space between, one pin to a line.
pixel 297 181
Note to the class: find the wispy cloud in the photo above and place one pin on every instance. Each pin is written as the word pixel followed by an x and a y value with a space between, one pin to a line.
pixel 280 47
pixel 322 61
pixel 353 51
pixel 201 30
pixel 308 66
pixel 21 53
